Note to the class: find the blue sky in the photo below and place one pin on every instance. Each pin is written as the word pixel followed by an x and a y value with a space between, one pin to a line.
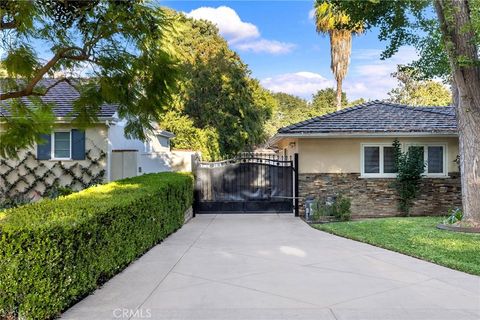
pixel 277 39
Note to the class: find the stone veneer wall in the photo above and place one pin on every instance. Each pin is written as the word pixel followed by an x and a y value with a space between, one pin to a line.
pixel 376 197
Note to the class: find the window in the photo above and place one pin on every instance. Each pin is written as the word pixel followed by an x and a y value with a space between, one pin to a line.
pixel 434 156
pixel 378 161
pixel 61 146
pixel 147 146
pixel 372 159
pixel 164 141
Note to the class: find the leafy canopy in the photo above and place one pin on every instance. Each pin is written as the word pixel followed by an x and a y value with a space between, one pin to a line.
pixel 406 22
pixel 116 44
pixel 290 109
pixel 413 91
pixel 218 107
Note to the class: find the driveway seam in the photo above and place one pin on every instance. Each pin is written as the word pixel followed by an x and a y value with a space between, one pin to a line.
pixel 173 267
pixel 253 289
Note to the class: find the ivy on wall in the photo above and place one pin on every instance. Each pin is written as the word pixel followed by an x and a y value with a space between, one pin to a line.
pixel 37 174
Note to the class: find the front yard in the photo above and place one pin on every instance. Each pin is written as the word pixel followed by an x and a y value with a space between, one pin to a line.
pixel 417 237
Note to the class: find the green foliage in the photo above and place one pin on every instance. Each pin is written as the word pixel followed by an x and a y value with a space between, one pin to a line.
pixel 417 237
pixel 338 208
pixel 54 252
pixel 342 208
pixel 454 215
pixel 56 191
pixel 407 22
pixel 413 91
pixel 189 137
pixel 410 166
pixel 14 202
pixel 288 109
pixel 24 126
pixel 117 44
pixel 217 94
pixel 324 101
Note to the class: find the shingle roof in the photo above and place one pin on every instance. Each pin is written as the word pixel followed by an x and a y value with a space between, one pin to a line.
pixel 62 96
pixel 379 116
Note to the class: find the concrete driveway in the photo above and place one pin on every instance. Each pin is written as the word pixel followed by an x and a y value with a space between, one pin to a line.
pixel 277 267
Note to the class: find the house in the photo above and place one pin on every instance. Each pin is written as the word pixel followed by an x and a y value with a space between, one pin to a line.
pixel 78 158
pixel 350 152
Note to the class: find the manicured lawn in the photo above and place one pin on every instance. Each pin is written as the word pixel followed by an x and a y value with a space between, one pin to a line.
pixel 416 237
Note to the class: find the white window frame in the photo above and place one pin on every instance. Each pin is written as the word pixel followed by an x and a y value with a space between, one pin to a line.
pixel 52 151
pixel 363 174
pixel 425 146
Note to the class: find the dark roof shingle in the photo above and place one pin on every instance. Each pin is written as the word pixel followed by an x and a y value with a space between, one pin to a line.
pixel 379 116
pixel 62 96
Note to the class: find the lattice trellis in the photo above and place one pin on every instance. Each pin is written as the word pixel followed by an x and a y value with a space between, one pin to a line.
pixel 37 174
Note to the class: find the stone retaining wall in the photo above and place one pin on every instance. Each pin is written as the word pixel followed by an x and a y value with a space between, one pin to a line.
pixel 376 197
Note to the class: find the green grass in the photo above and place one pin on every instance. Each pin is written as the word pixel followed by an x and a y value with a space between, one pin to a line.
pixel 417 237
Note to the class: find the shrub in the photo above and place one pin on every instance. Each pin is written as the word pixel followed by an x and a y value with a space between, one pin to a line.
pixel 454 216
pixel 338 208
pixel 57 190
pixel 14 202
pixel 54 252
pixel 410 166
pixel 342 208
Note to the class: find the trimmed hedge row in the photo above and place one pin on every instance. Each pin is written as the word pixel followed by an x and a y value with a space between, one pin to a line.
pixel 54 252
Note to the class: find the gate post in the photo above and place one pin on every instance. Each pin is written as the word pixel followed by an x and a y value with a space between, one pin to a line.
pixel 295 193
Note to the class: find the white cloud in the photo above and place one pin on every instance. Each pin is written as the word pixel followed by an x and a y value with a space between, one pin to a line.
pixel 369 77
pixel 268 46
pixel 242 35
pixel 311 14
pixel 228 22
pixel 302 84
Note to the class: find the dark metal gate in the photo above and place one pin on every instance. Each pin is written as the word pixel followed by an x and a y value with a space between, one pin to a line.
pixel 247 183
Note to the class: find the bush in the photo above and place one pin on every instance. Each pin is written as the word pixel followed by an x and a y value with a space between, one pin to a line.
pixel 342 208
pixel 338 208
pixel 454 216
pixel 54 252
pixel 410 166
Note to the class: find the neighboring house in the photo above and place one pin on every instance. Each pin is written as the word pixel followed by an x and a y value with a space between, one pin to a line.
pixel 78 158
pixel 350 152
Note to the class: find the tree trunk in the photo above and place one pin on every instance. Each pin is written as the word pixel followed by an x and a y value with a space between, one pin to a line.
pixel 339 94
pixel 454 17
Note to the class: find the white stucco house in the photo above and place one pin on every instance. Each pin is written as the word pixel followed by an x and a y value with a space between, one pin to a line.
pixel 77 158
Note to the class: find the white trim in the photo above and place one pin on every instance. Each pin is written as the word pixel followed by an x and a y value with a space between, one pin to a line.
pixel 425 146
pixel 381 174
pixel 52 147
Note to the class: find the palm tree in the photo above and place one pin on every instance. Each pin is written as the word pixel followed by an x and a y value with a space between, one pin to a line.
pixel 329 19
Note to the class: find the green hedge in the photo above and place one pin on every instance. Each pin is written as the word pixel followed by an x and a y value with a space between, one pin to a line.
pixel 54 252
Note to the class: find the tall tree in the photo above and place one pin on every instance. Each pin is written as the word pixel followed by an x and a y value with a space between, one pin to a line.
pixel 217 92
pixel 458 22
pixel 116 43
pixel 329 19
pixel 413 90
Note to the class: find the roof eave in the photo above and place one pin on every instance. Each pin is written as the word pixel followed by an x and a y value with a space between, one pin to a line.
pixel 391 134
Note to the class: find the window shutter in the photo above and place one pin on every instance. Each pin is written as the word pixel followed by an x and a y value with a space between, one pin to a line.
pixel 44 150
pixel 78 144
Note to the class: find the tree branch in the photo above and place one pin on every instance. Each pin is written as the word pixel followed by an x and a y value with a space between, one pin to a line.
pixel 28 90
